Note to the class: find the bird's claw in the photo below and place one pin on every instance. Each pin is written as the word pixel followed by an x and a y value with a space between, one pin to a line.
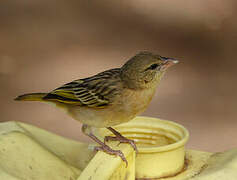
pixel 121 139
pixel 108 150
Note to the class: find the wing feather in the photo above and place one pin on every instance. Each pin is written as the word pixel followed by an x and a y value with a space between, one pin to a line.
pixel 97 91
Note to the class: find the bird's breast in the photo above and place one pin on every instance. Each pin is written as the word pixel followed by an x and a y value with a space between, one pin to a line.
pixel 136 101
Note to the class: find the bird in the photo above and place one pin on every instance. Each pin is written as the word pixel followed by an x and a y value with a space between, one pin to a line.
pixel 109 98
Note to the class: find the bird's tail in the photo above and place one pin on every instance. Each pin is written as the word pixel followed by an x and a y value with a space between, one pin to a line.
pixel 31 97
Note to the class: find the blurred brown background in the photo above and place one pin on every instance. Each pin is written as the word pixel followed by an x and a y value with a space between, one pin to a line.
pixel 44 44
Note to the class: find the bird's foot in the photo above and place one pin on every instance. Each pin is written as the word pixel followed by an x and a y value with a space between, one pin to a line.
pixel 119 137
pixel 103 146
pixel 111 151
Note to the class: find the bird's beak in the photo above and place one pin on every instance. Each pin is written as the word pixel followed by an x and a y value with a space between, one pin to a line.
pixel 169 62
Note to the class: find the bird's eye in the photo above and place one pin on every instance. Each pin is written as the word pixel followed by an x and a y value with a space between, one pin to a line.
pixel 153 66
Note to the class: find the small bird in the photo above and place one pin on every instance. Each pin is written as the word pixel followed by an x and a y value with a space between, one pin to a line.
pixel 111 97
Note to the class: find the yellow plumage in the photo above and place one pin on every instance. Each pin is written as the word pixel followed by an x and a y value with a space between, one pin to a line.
pixel 31 97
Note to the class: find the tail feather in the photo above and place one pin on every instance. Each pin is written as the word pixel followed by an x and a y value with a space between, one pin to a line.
pixel 31 97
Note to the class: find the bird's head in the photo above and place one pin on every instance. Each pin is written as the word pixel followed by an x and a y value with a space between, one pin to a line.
pixel 145 70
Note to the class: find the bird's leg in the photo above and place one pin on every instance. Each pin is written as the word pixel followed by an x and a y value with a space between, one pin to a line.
pixel 103 146
pixel 119 137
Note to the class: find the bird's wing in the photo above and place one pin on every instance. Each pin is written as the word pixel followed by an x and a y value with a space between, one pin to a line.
pixel 97 91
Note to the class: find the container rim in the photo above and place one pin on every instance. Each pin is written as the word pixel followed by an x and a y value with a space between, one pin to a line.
pixel 148 122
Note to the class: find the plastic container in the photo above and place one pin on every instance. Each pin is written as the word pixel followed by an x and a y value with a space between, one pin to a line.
pixel 160 144
pixel 24 148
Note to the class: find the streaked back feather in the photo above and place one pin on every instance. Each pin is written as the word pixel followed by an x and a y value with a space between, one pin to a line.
pixel 97 91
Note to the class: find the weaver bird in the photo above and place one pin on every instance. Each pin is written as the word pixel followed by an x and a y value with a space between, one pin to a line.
pixel 111 97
